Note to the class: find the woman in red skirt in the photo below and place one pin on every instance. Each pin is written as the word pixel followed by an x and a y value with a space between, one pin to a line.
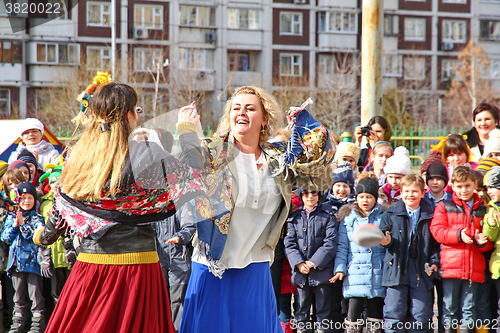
pixel 111 189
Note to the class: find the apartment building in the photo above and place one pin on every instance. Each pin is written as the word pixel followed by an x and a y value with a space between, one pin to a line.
pixel 170 48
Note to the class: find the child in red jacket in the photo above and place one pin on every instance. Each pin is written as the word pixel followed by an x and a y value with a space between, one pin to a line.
pixel 457 226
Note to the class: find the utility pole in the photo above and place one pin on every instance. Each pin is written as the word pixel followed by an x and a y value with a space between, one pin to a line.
pixel 113 38
pixel 371 60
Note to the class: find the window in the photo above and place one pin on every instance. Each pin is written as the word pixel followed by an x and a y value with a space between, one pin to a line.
pixel 449 69
pixel 392 65
pixel 490 30
pixel 64 54
pixel 148 16
pixel 338 22
pixel 98 14
pixel 241 61
pixel 11 52
pixel 495 69
pixel 196 58
pixel 337 63
pixel 197 16
pixel 290 23
pixel 414 68
pixel 454 31
pixel 414 29
pixel 146 60
pixel 463 2
pixel 290 64
pixel 243 18
pixel 4 101
pixel 391 25
pixel 98 58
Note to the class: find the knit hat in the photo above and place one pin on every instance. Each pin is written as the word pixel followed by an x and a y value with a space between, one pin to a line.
pixel 367 185
pixel 437 169
pixel 399 162
pixel 486 164
pixel 28 157
pixel 3 167
pixel 25 188
pixel 32 123
pixel 347 149
pixel 493 144
pixel 492 178
pixel 434 157
pixel 343 173
pixel 18 164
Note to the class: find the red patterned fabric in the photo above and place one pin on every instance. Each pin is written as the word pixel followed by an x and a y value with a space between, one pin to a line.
pixel 113 298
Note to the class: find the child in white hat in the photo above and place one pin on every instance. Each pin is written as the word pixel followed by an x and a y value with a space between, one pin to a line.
pixel 397 166
pixel 32 140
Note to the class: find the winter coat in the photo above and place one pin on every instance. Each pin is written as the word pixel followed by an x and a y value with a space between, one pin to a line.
pixel 57 250
pixel 177 257
pixel 422 246
pixel 23 253
pixel 493 234
pixel 460 260
pixel 362 266
pixel 314 239
pixel 46 153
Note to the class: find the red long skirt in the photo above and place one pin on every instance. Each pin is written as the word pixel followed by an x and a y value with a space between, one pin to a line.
pixel 113 299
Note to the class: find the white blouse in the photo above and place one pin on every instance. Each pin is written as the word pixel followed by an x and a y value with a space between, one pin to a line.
pixel 258 198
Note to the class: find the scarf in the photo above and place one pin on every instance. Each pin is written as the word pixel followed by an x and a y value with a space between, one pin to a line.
pixel 39 148
pixel 308 152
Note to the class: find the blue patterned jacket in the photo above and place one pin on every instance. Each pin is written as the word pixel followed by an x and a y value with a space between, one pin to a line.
pixel 23 253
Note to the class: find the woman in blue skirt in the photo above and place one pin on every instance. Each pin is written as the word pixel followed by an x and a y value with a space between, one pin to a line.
pixel 249 181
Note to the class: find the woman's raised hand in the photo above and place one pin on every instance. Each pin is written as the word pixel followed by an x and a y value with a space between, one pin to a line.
pixel 189 113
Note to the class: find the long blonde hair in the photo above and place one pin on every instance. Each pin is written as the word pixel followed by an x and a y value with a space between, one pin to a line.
pixel 97 159
pixel 272 112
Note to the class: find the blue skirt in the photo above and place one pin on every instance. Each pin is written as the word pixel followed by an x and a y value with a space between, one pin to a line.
pixel 242 301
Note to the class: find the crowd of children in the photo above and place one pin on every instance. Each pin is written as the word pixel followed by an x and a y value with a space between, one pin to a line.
pixel 440 230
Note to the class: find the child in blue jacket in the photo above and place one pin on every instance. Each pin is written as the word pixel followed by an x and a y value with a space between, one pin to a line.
pixel 23 265
pixel 360 267
pixel 310 246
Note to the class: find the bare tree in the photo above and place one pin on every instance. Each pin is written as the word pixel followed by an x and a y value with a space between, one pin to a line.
pixel 470 84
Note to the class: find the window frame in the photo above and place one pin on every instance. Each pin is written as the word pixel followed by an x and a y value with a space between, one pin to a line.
pixel 453 75
pixel 326 18
pixel 299 63
pixel 101 5
pixel 453 22
pixel 57 54
pixel 293 25
pixel 398 65
pixel 102 57
pixel 211 19
pixel 415 38
pixel 143 7
pixel 142 65
pixel 8 101
pixel 237 13
pixel 489 35
pixel 405 71
pixel 393 30
pixel 187 60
